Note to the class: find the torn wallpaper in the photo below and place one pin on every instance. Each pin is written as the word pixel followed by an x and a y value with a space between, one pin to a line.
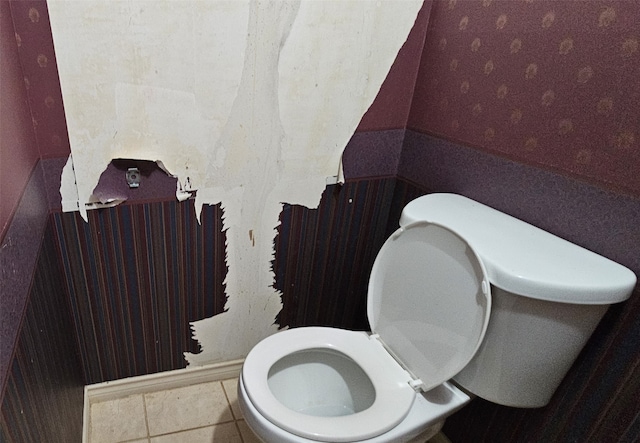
pixel 251 103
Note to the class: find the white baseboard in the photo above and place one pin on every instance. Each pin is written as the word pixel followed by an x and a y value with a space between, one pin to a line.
pixel 111 390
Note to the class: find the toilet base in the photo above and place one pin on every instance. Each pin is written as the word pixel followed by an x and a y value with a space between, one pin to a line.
pixel 428 433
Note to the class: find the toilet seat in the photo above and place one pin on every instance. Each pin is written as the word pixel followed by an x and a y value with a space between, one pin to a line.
pixel 394 395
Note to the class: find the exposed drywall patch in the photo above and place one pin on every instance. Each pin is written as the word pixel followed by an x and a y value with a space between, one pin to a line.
pixel 252 117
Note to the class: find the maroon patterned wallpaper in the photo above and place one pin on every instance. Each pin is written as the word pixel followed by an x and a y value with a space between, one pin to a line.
pixel 390 109
pixel 18 146
pixel 37 57
pixel 553 83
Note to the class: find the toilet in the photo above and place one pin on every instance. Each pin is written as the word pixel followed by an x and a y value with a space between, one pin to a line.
pixel 463 301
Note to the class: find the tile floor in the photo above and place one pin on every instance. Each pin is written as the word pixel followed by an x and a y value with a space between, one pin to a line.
pixel 200 413
pixel 206 412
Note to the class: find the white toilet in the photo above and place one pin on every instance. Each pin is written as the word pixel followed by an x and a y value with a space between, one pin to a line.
pixel 463 300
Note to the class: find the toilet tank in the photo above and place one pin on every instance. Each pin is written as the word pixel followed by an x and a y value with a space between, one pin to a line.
pixel 548 295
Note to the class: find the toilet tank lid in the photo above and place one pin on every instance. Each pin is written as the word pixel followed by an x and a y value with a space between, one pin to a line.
pixel 523 259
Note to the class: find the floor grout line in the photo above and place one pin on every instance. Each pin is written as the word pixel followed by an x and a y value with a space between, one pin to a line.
pixel 235 421
pixel 146 416
pixel 239 431
pixel 193 429
pixel 228 402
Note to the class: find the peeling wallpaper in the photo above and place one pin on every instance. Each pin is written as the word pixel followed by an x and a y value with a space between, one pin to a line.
pixel 545 82
pixel 250 103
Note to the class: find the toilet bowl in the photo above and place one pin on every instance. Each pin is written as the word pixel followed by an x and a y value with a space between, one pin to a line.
pixel 429 305
pixel 308 384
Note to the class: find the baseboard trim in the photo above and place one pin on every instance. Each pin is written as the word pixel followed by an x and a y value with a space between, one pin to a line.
pixel 111 390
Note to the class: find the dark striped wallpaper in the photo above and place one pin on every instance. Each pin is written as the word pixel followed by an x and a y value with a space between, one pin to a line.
pixel 136 275
pixel 324 256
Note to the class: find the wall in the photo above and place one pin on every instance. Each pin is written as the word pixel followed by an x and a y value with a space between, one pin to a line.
pixel 23 204
pixel 106 303
pixel 108 306
pixel 44 391
pixel 40 380
pixel 247 116
pixel 40 75
pixel 470 135
pixel 131 316
pixel 32 121
pixel 18 147
pixel 136 276
pixel 31 116
pixel 390 109
pixel 134 279
pixel 548 83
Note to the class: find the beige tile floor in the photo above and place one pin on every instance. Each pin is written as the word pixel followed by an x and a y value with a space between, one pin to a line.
pixel 202 413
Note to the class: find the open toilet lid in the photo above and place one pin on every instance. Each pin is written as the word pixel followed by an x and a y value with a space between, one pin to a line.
pixel 429 300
